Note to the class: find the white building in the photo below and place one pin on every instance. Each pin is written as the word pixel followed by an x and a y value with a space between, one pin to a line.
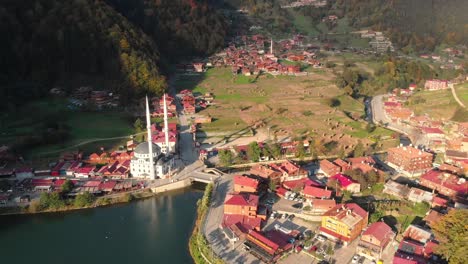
pixel 140 163
pixel 148 160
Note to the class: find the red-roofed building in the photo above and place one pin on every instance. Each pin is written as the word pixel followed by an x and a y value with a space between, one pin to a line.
pixel 320 206
pixel 314 192
pixel 107 186
pixel 290 171
pixel 243 184
pixel 432 132
pixel 346 183
pixel 244 222
pixel 266 172
pixel 262 247
pixel 342 164
pixel 329 168
pixel 439 202
pixel 409 159
pixel 444 183
pixel 84 172
pixel 241 204
pixel 344 222
pixel 374 240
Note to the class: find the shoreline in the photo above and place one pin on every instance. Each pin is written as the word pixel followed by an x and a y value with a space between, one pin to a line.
pixel 112 201
pixel 198 246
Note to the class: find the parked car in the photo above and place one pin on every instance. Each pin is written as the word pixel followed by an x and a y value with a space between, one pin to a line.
pixel 279 216
pixel 321 238
pixel 361 260
pixel 320 251
pixel 285 216
pixel 272 216
pixel 314 248
pixel 291 217
pixel 355 259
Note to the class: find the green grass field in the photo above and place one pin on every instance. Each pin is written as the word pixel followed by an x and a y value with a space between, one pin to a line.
pixel 297 106
pixel 34 118
pixel 438 104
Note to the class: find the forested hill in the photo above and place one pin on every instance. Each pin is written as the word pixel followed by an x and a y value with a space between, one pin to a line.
pixel 412 24
pixel 180 27
pixel 49 42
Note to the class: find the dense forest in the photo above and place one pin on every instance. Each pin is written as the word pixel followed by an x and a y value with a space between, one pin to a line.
pixel 50 42
pixel 413 25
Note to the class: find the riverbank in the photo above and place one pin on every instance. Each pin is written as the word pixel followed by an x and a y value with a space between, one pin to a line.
pixel 198 246
pixel 34 208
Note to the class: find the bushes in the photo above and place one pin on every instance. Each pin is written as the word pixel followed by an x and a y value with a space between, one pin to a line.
pixel 83 200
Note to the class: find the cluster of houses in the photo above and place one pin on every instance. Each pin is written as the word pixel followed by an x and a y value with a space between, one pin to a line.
pixel 314 3
pixel 449 138
pixel 447 58
pixel 96 186
pixel 192 104
pixel 247 55
pixel 86 95
pixel 158 106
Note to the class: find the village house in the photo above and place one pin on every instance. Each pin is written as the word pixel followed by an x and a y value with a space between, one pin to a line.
pixel 320 206
pixel 444 183
pixel 346 183
pixel 417 245
pixel 315 192
pixel 328 168
pixel 344 222
pixel 84 172
pixel 374 240
pixel 243 184
pixel 409 160
pixel 290 171
pixel 243 210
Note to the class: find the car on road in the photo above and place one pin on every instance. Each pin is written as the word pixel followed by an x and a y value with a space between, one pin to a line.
pixel 355 259
pixel 321 238
pixel 298 205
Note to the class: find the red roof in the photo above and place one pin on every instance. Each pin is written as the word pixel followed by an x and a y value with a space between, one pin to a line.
pixel 439 201
pixel 448 180
pixel 316 192
pixel 343 208
pixel 380 231
pixel 281 191
pixel 92 184
pixel 344 180
pixel 246 223
pixel 107 186
pixel 41 182
pixel 84 170
pixel 272 246
pixel 432 130
pixel 242 200
pixel 245 181
pixel 290 185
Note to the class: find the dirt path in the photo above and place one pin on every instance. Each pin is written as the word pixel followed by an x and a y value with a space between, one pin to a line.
pixel 454 93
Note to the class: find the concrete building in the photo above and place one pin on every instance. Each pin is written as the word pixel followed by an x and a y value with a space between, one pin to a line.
pixel 243 184
pixel 409 160
pixel 344 222
pixel 445 183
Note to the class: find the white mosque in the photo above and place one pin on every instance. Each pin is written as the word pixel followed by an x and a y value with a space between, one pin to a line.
pixel 148 161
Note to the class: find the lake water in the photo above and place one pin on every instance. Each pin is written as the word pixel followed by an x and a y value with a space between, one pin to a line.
pixel 154 230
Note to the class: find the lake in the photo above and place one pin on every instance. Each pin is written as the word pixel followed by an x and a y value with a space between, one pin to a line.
pixel 154 230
